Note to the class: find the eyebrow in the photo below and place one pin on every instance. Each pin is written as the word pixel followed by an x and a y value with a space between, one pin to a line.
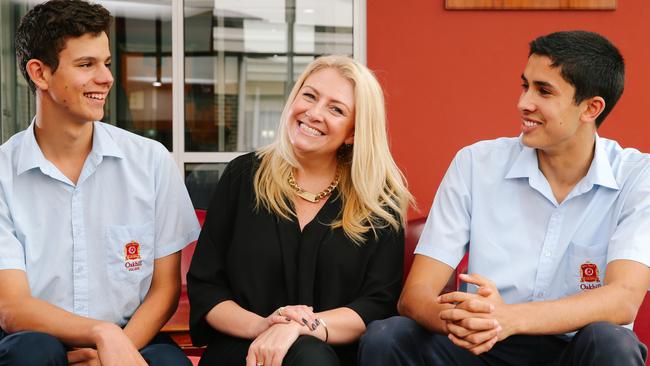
pixel 91 59
pixel 539 83
pixel 333 100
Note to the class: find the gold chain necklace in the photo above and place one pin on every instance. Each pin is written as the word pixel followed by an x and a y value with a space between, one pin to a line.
pixel 313 197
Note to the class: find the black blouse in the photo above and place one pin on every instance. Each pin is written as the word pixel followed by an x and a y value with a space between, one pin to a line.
pixel 262 262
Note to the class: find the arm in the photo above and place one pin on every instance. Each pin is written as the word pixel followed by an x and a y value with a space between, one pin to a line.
pixel 211 299
pixel 159 304
pixel 344 325
pixel 423 285
pixel 230 318
pixel 626 283
pixel 19 311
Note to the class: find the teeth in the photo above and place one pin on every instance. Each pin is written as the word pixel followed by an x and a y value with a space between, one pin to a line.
pixel 97 96
pixel 309 130
pixel 530 123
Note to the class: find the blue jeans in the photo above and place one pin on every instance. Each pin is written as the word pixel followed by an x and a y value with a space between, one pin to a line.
pixel 402 341
pixel 40 349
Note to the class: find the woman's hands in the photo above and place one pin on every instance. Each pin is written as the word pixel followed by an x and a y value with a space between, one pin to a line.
pixel 301 314
pixel 270 347
pixel 282 328
pixel 265 323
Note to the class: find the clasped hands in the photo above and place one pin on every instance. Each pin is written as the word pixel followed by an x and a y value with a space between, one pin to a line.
pixel 477 321
pixel 278 331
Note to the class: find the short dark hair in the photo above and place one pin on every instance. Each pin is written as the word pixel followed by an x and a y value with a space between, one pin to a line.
pixel 588 61
pixel 44 30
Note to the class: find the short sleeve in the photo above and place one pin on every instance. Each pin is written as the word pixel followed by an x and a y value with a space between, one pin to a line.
pixel 12 252
pixel 447 230
pixel 631 236
pixel 176 222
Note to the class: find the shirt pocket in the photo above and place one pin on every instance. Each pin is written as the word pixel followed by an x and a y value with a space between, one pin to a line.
pixel 587 264
pixel 130 252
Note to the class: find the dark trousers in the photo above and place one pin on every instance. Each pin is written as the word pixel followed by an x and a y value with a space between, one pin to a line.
pixel 40 349
pixel 305 351
pixel 401 341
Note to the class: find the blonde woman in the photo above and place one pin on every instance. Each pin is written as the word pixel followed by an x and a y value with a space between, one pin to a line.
pixel 302 246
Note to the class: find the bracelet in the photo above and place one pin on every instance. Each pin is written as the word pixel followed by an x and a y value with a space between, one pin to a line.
pixel 327 333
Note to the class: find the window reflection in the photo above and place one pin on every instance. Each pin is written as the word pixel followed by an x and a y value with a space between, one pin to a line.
pixel 241 57
pixel 142 45
pixel 17 104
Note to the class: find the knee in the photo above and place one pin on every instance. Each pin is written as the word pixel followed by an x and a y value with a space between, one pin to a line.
pixel 610 340
pixel 164 355
pixel 310 351
pixel 388 333
pixel 32 348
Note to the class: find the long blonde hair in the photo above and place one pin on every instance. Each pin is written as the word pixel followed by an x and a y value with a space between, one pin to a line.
pixel 372 188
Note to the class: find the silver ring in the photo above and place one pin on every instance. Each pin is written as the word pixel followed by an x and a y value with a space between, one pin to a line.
pixel 259 363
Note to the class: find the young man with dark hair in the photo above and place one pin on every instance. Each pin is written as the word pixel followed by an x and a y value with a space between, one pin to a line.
pixel 92 217
pixel 556 226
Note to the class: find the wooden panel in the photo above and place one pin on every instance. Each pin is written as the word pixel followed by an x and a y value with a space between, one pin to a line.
pixel 531 4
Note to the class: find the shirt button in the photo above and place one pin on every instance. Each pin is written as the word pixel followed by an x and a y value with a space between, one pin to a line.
pixel 547 253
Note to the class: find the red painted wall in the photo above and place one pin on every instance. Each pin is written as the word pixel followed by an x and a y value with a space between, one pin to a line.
pixel 453 77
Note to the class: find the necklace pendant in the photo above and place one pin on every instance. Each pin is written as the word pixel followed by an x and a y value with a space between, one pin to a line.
pixel 308 196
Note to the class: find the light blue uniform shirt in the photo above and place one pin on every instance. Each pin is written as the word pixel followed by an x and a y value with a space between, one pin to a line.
pixel 89 248
pixel 495 199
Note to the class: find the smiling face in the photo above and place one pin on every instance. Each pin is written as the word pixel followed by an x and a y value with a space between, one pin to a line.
pixel 321 118
pixel 78 88
pixel 550 118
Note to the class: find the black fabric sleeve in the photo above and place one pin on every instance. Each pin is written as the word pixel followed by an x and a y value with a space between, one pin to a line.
pixel 207 280
pixel 383 279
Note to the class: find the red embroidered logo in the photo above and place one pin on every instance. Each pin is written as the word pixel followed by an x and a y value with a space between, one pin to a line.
pixel 589 272
pixel 589 276
pixel 132 250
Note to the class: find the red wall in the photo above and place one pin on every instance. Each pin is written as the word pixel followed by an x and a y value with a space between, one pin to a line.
pixel 453 77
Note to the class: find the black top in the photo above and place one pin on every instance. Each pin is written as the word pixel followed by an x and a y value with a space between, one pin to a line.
pixel 262 262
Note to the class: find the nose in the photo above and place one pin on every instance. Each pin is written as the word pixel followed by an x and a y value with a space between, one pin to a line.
pixel 525 103
pixel 315 113
pixel 104 75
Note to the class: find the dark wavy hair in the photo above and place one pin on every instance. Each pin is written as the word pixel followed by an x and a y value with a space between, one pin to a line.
pixel 589 62
pixel 44 30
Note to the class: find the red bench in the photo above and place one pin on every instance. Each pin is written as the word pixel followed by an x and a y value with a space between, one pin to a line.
pixel 413 231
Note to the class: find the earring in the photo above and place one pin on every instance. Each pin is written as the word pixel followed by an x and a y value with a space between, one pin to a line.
pixel 344 151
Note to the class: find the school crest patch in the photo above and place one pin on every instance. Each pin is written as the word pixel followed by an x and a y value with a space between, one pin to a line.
pixel 132 259
pixel 589 276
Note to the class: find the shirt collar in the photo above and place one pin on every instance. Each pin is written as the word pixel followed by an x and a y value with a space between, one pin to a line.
pixel 600 172
pixel 103 143
pixel 525 165
pixel 31 155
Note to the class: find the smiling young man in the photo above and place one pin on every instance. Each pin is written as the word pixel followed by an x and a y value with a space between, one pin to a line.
pixel 92 218
pixel 556 220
